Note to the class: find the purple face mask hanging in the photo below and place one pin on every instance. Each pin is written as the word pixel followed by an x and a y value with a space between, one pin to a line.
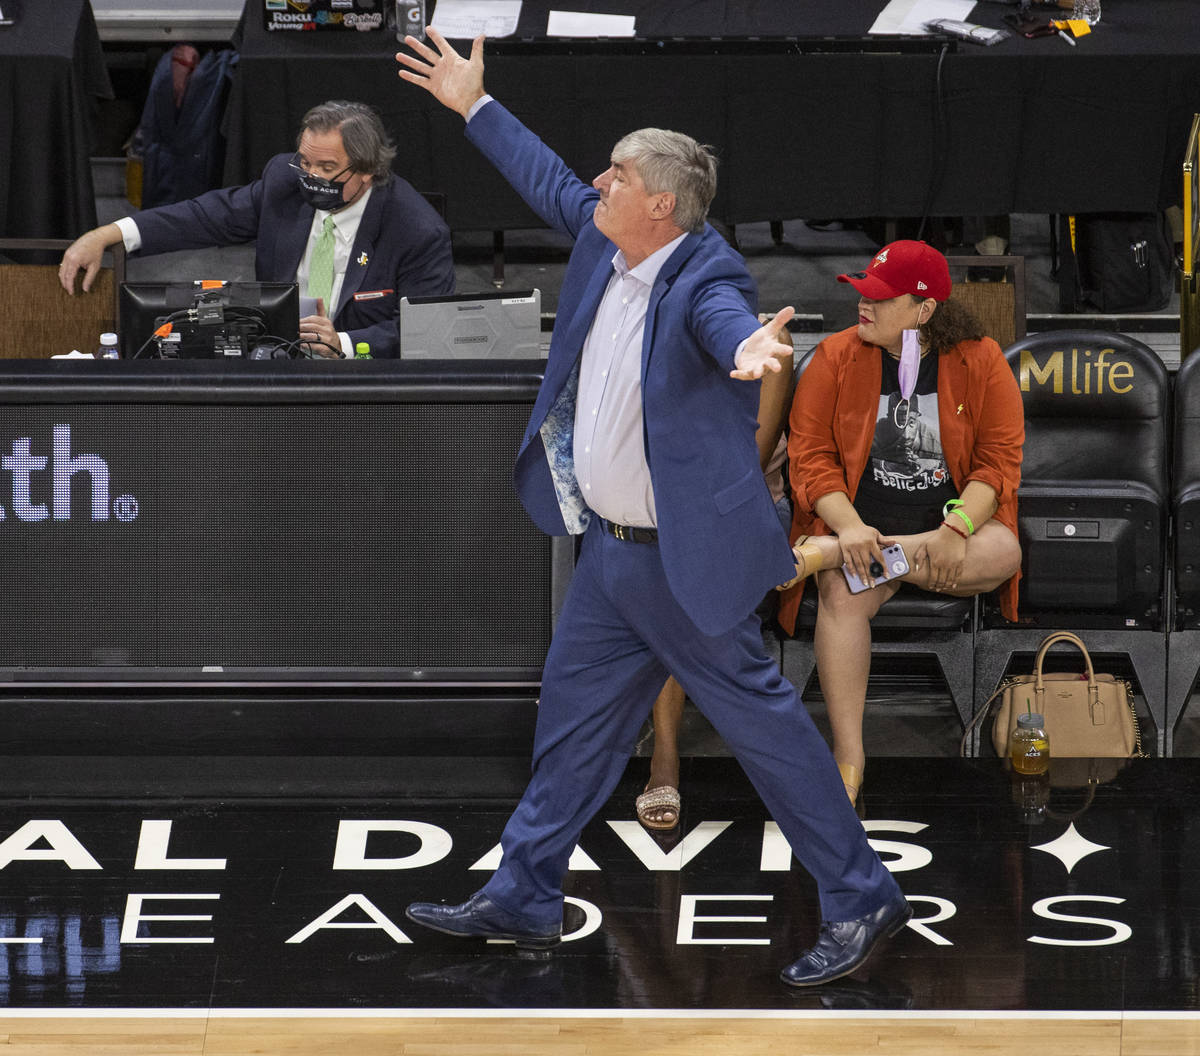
pixel 910 362
pixel 910 366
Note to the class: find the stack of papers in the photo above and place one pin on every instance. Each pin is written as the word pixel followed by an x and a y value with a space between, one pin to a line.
pixel 466 19
pixel 582 24
pixel 908 17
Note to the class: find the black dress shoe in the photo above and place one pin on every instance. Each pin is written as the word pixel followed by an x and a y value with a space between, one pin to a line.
pixel 480 917
pixel 845 945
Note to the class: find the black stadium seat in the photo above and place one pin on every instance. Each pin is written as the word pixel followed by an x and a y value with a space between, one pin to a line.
pixel 1093 507
pixel 1183 643
pixel 913 623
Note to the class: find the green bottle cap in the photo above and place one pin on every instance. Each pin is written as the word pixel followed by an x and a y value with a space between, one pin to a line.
pixel 362 350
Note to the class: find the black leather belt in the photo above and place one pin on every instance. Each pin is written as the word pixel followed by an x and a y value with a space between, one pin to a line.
pixel 630 535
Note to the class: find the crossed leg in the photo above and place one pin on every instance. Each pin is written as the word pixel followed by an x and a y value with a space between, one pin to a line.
pixel 842 639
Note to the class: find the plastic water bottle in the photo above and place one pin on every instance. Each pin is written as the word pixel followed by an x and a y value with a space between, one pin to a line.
pixel 1029 748
pixel 362 350
pixel 1088 10
pixel 108 347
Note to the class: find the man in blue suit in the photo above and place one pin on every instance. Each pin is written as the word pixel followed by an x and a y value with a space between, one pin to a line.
pixel 332 217
pixel 642 439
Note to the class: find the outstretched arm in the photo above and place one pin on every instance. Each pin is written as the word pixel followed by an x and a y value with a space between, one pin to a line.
pixel 537 174
pixel 455 82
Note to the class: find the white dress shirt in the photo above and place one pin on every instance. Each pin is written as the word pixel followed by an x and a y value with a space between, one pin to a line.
pixel 610 453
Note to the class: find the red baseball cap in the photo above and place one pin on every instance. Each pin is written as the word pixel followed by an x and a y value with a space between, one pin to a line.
pixel 903 267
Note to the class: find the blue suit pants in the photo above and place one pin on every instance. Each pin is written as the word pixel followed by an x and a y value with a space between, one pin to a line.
pixel 621 631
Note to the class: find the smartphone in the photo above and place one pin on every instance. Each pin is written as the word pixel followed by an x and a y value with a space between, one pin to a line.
pixel 894 564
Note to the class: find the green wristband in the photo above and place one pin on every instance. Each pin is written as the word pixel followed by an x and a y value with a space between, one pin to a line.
pixel 965 519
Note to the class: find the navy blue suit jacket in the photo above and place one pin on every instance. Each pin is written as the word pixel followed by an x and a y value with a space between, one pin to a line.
pixel 721 541
pixel 402 245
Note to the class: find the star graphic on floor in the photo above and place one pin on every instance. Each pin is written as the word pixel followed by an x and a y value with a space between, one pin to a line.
pixel 1071 848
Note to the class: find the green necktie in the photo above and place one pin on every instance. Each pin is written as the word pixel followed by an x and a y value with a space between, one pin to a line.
pixel 320 267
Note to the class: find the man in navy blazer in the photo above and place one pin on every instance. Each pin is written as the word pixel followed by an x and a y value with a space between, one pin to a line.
pixel 388 241
pixel 642 439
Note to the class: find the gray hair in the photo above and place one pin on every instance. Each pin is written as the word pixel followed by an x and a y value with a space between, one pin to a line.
pixel 671 161
pixel 367 143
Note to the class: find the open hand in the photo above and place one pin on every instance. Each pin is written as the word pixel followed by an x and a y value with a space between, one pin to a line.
pixel 453 81
pixel 763 350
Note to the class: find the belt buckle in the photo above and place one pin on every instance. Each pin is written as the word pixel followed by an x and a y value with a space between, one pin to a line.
pixel 622 532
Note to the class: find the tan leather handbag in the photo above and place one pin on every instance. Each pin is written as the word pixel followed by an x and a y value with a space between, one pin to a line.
pixel 1086 715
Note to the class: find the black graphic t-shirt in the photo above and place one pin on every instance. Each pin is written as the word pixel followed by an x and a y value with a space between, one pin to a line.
pixel 906 466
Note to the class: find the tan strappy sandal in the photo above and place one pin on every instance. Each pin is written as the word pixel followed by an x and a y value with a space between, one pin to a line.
pixel 852 778
pixel 808 560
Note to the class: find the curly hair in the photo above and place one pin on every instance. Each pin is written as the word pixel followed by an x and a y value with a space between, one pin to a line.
pixel 949 325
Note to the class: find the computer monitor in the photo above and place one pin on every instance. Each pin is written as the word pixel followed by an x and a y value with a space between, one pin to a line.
pixel 490 325
pixel 208 319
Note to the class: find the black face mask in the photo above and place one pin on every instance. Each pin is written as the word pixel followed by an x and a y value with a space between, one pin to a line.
pixel 319 192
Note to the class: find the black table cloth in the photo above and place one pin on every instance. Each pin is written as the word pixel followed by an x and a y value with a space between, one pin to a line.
pixel 50 64
pixel 847 127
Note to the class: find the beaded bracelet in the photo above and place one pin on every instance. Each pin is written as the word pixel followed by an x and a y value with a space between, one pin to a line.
pixel 954 528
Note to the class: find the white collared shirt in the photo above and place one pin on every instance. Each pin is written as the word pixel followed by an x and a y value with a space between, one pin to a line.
pixel 610 453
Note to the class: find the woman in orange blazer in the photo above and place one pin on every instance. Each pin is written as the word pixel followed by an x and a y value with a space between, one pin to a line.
pixel 923 451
